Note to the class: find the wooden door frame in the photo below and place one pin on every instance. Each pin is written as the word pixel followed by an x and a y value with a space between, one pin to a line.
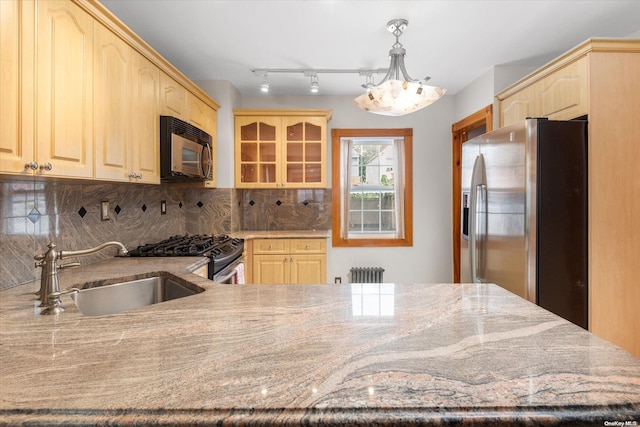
pixel 459 133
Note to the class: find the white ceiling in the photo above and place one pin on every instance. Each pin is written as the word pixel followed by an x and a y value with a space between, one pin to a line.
pixel 454 42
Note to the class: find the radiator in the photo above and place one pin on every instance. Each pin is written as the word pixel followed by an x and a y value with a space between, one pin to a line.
pixel 366 274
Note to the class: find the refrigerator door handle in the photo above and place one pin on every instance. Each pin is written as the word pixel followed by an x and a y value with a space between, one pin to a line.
pixel 478 179
pixel 481 233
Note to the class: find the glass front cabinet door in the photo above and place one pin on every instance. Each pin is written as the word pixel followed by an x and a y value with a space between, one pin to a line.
pixel 280 148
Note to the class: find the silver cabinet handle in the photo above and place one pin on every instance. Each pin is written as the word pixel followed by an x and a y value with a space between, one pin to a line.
pixel 32 165
pixel 47 167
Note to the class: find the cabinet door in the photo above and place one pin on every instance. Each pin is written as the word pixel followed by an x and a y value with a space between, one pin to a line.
pixel 16 141
pixel 198 113
pixel 307 269
pixel 257 152
pixel 172 98
pixel 563 93
pixel 271 269
pixel 64 89
pixel 112 105
pixel 517 107
pixel 145 147
pixel 304 152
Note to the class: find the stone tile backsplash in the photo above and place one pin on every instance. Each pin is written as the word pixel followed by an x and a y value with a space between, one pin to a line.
pixel 34 213
pixel 285 209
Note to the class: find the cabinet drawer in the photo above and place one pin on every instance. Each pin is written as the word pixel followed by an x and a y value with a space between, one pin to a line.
pixel 271 246
pixel 308 246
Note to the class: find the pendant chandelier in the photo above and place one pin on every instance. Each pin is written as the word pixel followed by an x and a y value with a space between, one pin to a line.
pixel 397 94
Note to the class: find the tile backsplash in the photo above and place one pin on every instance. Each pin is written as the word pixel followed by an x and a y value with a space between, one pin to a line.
pixel 34 213
pixel 285 209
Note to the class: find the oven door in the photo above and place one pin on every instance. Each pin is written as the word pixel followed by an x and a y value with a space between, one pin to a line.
pixel 231 274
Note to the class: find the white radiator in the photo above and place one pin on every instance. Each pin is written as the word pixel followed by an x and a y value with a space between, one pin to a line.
pixel 366 274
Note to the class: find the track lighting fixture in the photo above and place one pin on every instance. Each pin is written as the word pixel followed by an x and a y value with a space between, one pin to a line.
pixel 397 94
pixel 313 74
pixel 264 88
pixel 315 87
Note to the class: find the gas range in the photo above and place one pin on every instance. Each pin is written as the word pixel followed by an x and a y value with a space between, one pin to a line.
pixel 221 249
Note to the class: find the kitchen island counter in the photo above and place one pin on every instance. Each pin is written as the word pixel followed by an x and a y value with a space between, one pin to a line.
pixel 384 354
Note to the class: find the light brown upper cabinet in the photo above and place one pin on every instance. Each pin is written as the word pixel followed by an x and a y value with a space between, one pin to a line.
pixel 281 148
pixel 81 94
pixel 49 105
pixel 599 80
pixel 126 112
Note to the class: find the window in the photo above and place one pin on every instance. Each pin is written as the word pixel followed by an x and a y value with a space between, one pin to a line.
pixel 372 187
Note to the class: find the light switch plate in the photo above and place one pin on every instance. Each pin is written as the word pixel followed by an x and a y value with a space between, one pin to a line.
pixel 104 211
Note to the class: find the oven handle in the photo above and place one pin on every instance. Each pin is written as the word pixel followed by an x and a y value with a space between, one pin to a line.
pixel 227 277
pixel 233 270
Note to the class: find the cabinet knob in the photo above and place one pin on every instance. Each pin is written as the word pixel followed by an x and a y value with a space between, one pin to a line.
pixel 270 246
pixel 32 165
pixel 47 167
pixel 307 246
pixel 291 259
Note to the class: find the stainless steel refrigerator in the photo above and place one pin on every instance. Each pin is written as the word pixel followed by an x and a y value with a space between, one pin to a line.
pixel 524 213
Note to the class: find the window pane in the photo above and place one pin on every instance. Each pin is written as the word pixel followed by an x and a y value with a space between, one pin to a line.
pixel 371 201
pixel 356 201
pixel 370 222
pixel 388 200
pixel 387 221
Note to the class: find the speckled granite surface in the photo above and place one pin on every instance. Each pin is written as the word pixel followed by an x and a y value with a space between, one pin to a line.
pixel 281 234
pixel 436 354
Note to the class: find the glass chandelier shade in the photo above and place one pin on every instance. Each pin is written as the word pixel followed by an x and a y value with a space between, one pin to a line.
pixel 398 94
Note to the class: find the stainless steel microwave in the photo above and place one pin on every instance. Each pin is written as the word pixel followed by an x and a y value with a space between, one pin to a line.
pixel 185 151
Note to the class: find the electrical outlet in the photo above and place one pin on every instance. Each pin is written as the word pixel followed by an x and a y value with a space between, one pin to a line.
pixel 337 280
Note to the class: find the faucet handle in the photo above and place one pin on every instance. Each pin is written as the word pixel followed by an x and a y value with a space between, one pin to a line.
pixel 69 265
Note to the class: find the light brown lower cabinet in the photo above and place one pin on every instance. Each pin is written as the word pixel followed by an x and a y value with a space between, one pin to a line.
pixel 287 261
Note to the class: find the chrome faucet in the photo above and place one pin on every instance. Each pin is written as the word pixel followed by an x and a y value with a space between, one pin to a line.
pixel 49 294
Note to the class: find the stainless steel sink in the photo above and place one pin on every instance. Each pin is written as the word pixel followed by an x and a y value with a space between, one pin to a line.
pixel 116 297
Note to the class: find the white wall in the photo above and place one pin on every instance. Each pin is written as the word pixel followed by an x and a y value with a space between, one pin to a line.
pixel 429 260
pixel 475 96
pixel 634 35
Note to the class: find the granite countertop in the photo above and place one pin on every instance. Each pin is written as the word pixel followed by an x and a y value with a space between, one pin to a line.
pixel 388 354
pixel 281 234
